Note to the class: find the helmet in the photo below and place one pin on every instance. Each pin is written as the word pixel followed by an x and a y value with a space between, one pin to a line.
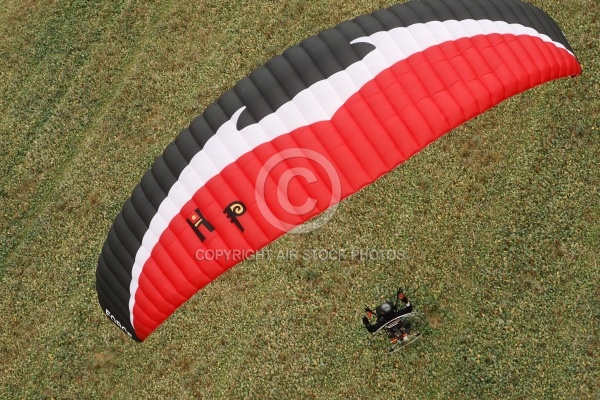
pixel 384 309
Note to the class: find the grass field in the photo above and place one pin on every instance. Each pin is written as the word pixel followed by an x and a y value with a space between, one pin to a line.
pixel 495 227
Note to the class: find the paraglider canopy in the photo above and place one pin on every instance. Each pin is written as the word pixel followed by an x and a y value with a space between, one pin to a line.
pixel 339 110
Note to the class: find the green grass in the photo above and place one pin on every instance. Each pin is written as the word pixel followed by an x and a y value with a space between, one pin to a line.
pixel 497 223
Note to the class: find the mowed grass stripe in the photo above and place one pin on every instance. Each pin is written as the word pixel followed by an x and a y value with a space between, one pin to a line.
pixel 88 195
pixel 85 102
pixel 62 129
pixel 40 65
pixel 64 209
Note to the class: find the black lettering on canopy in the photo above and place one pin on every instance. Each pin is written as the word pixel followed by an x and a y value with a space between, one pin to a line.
pixel 196 220
pixel 233 211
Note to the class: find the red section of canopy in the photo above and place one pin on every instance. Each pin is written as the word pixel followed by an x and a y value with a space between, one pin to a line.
pixel 394 116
